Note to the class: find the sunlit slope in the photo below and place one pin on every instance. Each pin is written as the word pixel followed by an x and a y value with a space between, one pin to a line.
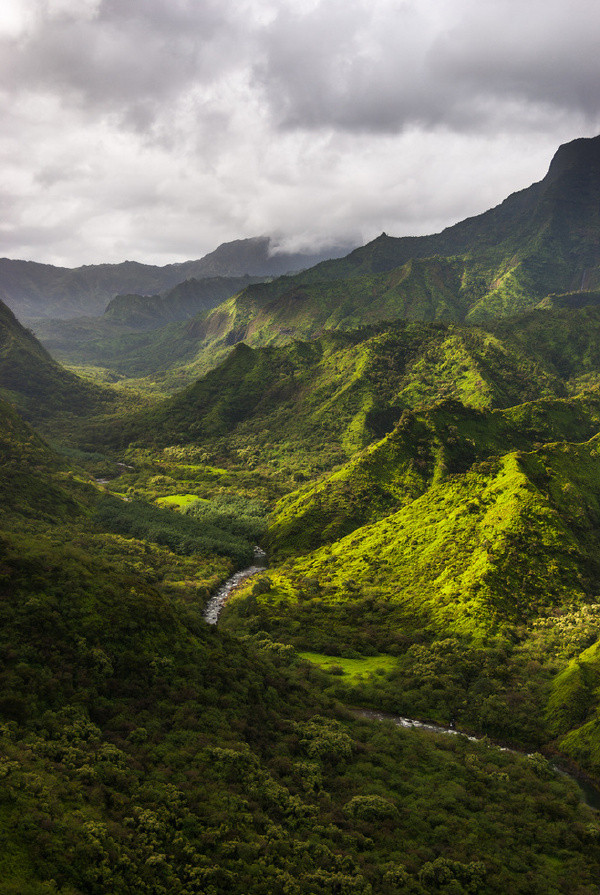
pixel 573 710
pixel 427 447
pixel 499 544
pixel 318 402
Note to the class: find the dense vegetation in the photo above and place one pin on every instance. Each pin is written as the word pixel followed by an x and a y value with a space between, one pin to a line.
pixel 143 751
pixel 211 526
pixel 428 491
pixel 35 382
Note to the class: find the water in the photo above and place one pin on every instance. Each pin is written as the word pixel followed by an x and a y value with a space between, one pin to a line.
pixel 218 600
pixel 589 793
pixel 415 725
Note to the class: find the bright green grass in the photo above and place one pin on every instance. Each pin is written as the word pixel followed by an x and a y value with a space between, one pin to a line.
pixel 352 668
pixel 177 501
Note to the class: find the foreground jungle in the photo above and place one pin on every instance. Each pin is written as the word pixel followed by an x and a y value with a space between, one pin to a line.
pixel 412 434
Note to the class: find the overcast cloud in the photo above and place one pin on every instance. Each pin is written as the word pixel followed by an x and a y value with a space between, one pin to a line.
pixel 157 129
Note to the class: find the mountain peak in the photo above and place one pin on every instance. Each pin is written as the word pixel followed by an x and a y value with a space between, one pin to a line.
pixel 583 154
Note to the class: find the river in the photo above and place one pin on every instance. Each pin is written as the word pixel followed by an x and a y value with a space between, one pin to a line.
pixel 589 793
pixel 218 600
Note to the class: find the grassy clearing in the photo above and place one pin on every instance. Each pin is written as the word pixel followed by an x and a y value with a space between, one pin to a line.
pixel 351 669
pixel 177 501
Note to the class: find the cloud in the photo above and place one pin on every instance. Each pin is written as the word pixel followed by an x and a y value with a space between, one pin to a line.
pixel 155 129
pixel 381 67
pixel 351 65
pixel 534 53
pixel 132 59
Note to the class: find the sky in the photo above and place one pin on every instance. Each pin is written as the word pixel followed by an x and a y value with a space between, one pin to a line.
pixel 154 130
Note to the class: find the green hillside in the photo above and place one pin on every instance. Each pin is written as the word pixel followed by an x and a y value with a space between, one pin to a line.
pixel 183 301
pixel 145 751
pixel 494 545
pixel 310 405
pixel 137 336
pixel 30 473
pixel 426 447
pixel 482 587
pixel 413 435
pixel 35 382
pixel 565 339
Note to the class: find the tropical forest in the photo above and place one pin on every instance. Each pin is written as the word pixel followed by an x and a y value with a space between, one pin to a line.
pixel 300 565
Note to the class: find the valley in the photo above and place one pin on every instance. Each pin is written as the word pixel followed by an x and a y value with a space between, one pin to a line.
pixel 382 476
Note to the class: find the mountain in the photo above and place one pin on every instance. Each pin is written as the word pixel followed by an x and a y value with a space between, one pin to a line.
pixel 310 405
pixel 429 445
pixel 475 563
pixel 262 314
pixel 542 239
pixel 41 290
pixel 119 342
pixel 258 256
pixel 511 536
pixel 541 242
pixel 191 297
pixel 464 538
pixel 35 382
pixel 314 404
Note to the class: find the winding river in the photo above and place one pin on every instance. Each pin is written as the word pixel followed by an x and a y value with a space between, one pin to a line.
pixel 589 793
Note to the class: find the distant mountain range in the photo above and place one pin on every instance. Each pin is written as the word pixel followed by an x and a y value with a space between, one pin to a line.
pixel 540 243
pixel 412 434
pixel 42 290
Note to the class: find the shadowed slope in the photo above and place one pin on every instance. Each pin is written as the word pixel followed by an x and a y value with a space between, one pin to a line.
pixel 34 381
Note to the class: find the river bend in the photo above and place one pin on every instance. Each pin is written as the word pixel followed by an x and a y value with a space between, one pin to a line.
pixel 589 793
pixel 218 600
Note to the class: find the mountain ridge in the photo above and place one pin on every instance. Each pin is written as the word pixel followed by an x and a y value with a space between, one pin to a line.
pixel 389 252
pixel 542 241
pixel 43 290
pixel 37 384
pixel 434 536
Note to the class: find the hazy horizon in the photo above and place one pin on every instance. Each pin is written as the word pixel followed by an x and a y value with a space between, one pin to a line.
pixel 154 131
